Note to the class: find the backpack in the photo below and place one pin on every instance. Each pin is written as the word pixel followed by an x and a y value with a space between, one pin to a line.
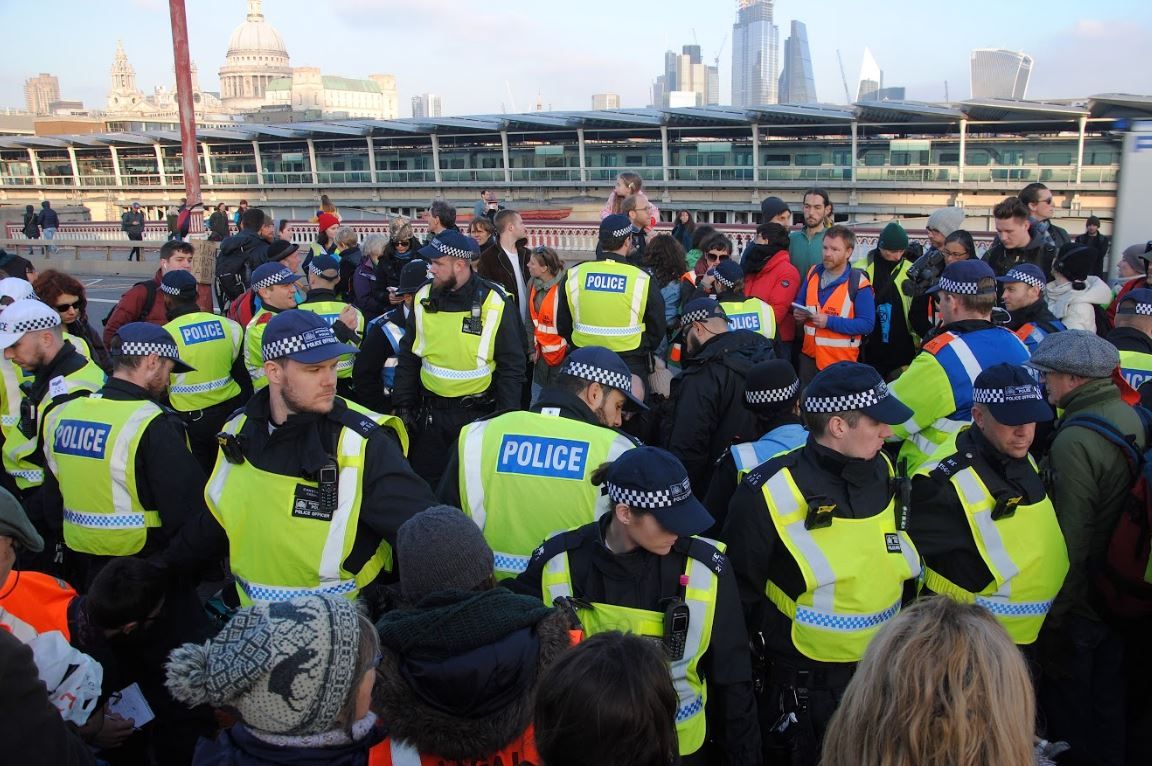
pixel 149 302
pixel 1103 322
pixel 1123 577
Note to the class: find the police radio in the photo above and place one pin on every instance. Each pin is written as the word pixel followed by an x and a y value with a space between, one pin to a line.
pixel 903 496
pixel 819 513
pixel 28 417
pixel 329 488
pixel 676 618
pixel 230 447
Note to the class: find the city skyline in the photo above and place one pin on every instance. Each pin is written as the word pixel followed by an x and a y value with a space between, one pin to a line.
pixel 1075 56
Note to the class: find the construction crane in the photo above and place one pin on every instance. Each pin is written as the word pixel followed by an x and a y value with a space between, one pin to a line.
pixel 843 78
pixel 720 50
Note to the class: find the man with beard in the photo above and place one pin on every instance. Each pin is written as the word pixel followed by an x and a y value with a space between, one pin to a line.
pixel 320 481
pixel 462 356
pixel 122 481
pixel 502 467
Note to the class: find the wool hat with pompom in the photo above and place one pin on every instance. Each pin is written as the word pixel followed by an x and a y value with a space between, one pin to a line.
pixel 286 667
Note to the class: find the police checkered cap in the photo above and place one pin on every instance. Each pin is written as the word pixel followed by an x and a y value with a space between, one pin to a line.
pixel 178 282
pixel 648 499
pixel 293 344
pixel 615 226
pixel 727 273
pixel 328 273
pixel 1136 302
pixel 453 244
pixel 142 339
pixel 456 252
pixel 1003 395
pixel 771 395
pixel 652 479
pixel 965 278
pixel 1029 276
pixel 614 379
pixel 24 316
pixel 700 310
pixel 269 274
pixel 1011 394
pixel 170 290
pixel 856 401
pixel 303 336
pixel 166 350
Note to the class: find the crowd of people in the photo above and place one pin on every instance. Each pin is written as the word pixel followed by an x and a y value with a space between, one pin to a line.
pixel 454 501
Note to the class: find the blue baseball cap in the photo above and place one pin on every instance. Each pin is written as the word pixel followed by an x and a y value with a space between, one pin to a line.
pixel 854 387
pixel 302 336
pixel 615 226
pixel 325 265
pixel 653 480
pixel 178 283
pixel 964 278
pixel 453 244
pixel 701 310
pixel 1028 273
pixel 1011 394
pixel 413 276
pixel 727 272
pixel 268 274
pixel 142 339
pixel 1136 302
pixel 603 366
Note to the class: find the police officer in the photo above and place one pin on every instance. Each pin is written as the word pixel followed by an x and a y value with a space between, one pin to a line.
pixel 11 376
pixel 1023 296
pixel 817 544
pixel 938 383
pixel 726 281
pixel 346 320
pixel 374 369
pixel 122 480
pixel 1132 337
pixel 274 285
pixel 980 516
pixel 772 395
pixel 218 382
pixel 462 356
pixel 640 569
pixel 522 476
pixel 612 303
pixel 319 481
pixel 32 338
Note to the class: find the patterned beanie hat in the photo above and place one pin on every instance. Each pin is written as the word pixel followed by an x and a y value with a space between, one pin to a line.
pixel 287 667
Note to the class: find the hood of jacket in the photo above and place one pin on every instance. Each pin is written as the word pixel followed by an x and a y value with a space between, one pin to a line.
pixel 1035 312
pixel 758 256
pixel 1060 294
pixel 417 693
pixel 735 349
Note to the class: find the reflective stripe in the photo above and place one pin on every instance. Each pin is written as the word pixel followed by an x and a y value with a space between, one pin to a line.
pixel 394 334
pixel 104 520
pixel 9 420
pixel 259 592
pixel 830 620
pixel 823 340
pixel 553 347
pixel 967 358
pixel 348 489
pixel 344 364
pixel 1014 608
pixel 36 475
pixel 745 456
pixel 447 374
pixel 606 331
pixel 556 570
pixel 510 562
pixel 701 582
pixel 474 472
pixel 200 388
pixel 487 336
pixel 121 495
pixel 786 503
pixel 403 754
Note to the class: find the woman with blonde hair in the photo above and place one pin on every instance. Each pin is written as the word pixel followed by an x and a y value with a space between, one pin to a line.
pixel 941 684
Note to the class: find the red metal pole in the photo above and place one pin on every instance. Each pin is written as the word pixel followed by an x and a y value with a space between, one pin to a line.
pixel 187 112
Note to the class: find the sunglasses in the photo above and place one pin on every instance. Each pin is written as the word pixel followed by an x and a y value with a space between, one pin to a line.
pixel 717 256
pixel 402 243
pixel 62 307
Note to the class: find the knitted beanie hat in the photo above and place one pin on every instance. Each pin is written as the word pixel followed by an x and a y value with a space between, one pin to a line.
pixel 441 549
pixel 286 667
pixel 893 237
pixel 946 220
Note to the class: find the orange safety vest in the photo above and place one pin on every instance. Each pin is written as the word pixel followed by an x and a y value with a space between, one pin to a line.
pixel 38 601
pixel 521 750
pixel 549 343
pixel 820 343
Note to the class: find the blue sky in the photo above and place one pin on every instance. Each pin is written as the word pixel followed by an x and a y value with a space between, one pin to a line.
pixel 485 57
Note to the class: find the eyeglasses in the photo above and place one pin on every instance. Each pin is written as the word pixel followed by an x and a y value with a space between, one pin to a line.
pixel 402 243
pixel 718 256
pixel 62 307
pixel 1045 201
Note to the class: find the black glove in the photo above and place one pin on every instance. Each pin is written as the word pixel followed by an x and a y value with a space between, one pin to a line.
pixel 407 416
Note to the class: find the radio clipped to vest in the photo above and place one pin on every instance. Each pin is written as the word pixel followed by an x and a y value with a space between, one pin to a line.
pixel 28 418
pixel 676 618
pixel 472 324
pixel 903 494
pixel 328 480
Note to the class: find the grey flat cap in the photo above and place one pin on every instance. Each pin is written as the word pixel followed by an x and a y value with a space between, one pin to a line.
pixel 1076 352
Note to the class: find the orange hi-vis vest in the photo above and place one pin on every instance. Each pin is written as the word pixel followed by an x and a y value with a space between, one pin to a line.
pixel 37 604
pixel 824 345
pixel 521 750
pixel 550 345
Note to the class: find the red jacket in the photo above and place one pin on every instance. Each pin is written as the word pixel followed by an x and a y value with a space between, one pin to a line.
pixel 129 308
pixel 776 283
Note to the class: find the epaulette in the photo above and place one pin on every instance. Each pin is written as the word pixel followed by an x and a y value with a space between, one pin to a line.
pixel 499 288
pixel 952 465
pixel 357 421
pixel 561 542
pixel 940 341
pixel 765 471
pixel 704 552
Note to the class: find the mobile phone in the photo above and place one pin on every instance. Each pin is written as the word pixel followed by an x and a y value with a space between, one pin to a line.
pixel 801 307
pixel 676 618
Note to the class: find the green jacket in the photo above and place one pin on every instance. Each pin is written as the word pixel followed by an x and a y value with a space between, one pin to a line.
pixel 1088 480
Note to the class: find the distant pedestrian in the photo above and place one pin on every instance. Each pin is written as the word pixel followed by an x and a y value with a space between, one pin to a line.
pixel 218 224
pixel 132 224
pixel 487 207
pixel 49 223
pixel 683 228
pixel 31 225
pixel 1099 244
pixel 1040 202
pixel 239 214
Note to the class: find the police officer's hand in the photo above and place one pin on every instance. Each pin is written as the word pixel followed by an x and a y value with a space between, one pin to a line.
pixel 349 317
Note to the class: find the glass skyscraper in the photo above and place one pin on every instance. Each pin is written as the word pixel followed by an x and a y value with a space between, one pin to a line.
pixel 999 73
pixel 797 85
pixel 755 54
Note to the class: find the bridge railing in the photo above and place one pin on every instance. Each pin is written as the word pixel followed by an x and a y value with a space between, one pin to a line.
pixel 571 239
